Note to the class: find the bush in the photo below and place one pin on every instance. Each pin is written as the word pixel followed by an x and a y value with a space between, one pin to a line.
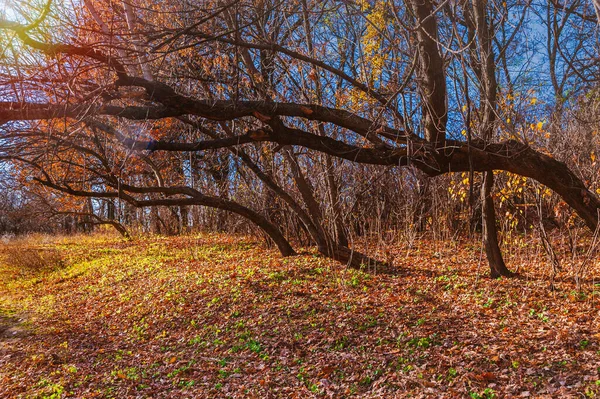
pixel 31 260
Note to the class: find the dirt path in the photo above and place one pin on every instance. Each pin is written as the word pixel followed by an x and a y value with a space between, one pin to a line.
pixel 11 326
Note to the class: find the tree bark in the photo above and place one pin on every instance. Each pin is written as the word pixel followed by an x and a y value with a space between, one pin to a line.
pixel 490 232
pixel 336 208
pixel 431 73
pixel 195 198
pixel 434 155
pixel 484 65
pixel 519 158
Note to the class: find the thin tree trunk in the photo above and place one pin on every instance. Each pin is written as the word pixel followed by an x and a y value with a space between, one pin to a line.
pixel 485 68
pixel 332 186
pixel 185 219
pixel 119 227
pixel 490 232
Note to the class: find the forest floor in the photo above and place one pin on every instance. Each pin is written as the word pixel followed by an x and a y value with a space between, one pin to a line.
pixel 217 316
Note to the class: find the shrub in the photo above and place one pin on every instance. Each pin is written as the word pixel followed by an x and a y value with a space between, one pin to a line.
pixel 31 260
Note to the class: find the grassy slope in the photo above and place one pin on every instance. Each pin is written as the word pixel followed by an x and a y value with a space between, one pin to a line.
pixel 216 316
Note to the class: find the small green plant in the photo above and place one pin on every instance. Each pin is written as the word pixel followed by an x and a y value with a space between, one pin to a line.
pixel 254 346
pixel 487 393
pixel 181 370
pixel 579 296
pixel 57 392
pixel 223 373
pixel 367 380
pixel 140 330
pixel 540 315
pixel 277 276
pixel 197 340
pixel 132 373
pixel 423 342
pixel 301 375
pixel 370 322
pixel 71 369
pixel 186 383
pixel 52 391
pixel 340 343
pixel 314 388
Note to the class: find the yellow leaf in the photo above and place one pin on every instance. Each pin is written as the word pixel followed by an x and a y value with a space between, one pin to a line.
pixel 508 120
pixel 540 125
pixel 533 101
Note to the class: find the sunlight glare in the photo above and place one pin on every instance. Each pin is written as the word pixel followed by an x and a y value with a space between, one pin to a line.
pixel 6 10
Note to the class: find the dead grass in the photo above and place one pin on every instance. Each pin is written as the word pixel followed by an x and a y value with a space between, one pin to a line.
pixel 31 260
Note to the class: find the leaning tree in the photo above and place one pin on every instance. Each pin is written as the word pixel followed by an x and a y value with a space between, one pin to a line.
pixel 121 101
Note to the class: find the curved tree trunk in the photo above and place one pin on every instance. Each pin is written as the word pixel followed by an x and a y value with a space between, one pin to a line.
pixel 435 155
pixel 269 228
pixel 325 245
pixel 272 231
pixel 515 157
pixel 490 233
pixel 195 198
pixel 120 228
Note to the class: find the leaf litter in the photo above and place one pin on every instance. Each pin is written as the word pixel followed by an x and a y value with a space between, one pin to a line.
pixel 216 315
